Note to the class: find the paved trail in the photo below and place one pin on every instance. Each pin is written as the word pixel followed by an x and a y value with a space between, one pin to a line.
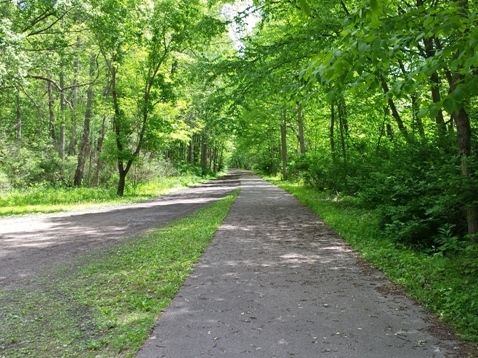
pixel 276 282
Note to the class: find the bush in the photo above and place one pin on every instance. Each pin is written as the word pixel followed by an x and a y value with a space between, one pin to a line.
pixel 417 190
pixel 419 196
pixel 319 171
pixel 148 169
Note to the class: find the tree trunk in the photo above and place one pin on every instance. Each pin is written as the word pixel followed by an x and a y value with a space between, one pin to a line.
pixel 331 131
pixel 416 119
pixel 204 148
pixel 99 148
pixel 123 167
pixel 121 180
pixel 463 130
pixel 342 109
pixel 51 113
pixel 283 137
pixel 436 98
pixel 19 120
pixel 190 152
pixel 214 159
pixel 394 111
pixel 82 152
pixel 300 122
pixel 117 120
pixel 74 101
pixel 61 145
pixel 430 51
pixel 343 126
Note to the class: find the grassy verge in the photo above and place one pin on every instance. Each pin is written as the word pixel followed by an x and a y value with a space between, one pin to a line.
pixel 105 305
pixel 48 200
pixel 446 284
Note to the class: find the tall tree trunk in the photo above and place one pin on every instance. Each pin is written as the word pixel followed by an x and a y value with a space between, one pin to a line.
pixel 204 148
pixel 123 165
pixel 300 123
pixel 343 126
pixel 51 113
pixel 395 114
pixel 74 101
pixel 121 180
pixel 436 98
pixel 342 109
pixel 19 120
pixel 99 148
pixel 283 137
pixel 117 121
pixel 61 145
pixel 416 119
pixel 331 131
pixel 82 152
pixel 463 129
pixel 196 149
pixel 214 159
pixel 434 80
pixel 190 151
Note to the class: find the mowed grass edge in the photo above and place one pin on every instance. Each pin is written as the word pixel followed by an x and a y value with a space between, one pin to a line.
pixel 105 305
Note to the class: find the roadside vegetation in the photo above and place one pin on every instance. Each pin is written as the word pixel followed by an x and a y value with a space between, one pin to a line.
pixel 105 304
pixel 444 280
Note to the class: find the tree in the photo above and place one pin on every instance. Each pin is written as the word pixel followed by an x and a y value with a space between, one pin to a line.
pixel 156 31
pixel 380 46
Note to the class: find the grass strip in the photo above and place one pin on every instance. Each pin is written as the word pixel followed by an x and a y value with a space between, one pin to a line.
pixel 106 304
pixel 49 199
pixel 445 284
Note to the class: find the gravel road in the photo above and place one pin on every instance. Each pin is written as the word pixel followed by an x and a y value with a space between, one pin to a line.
pixel 34 244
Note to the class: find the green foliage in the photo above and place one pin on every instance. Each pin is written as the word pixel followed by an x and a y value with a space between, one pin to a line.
pixel 13 60
pixel 32 165
pixel 417 190
pixel 419 194
pixel 320 171
pixel 105 305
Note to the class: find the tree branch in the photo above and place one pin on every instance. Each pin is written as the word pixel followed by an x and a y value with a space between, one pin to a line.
pixel 345 8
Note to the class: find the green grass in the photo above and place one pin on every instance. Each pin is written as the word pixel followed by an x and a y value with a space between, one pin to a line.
pixel 446 284
pixel 47 200
pixel 105 305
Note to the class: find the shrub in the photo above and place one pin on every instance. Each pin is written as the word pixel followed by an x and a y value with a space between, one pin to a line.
pixel 419 196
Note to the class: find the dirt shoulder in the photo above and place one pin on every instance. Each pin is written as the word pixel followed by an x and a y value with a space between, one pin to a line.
pixel 33 244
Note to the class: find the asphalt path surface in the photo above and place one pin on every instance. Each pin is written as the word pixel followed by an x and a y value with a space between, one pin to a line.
pixel 277 282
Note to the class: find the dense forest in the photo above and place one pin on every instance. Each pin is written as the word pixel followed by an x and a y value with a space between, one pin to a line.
pixel 371 99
